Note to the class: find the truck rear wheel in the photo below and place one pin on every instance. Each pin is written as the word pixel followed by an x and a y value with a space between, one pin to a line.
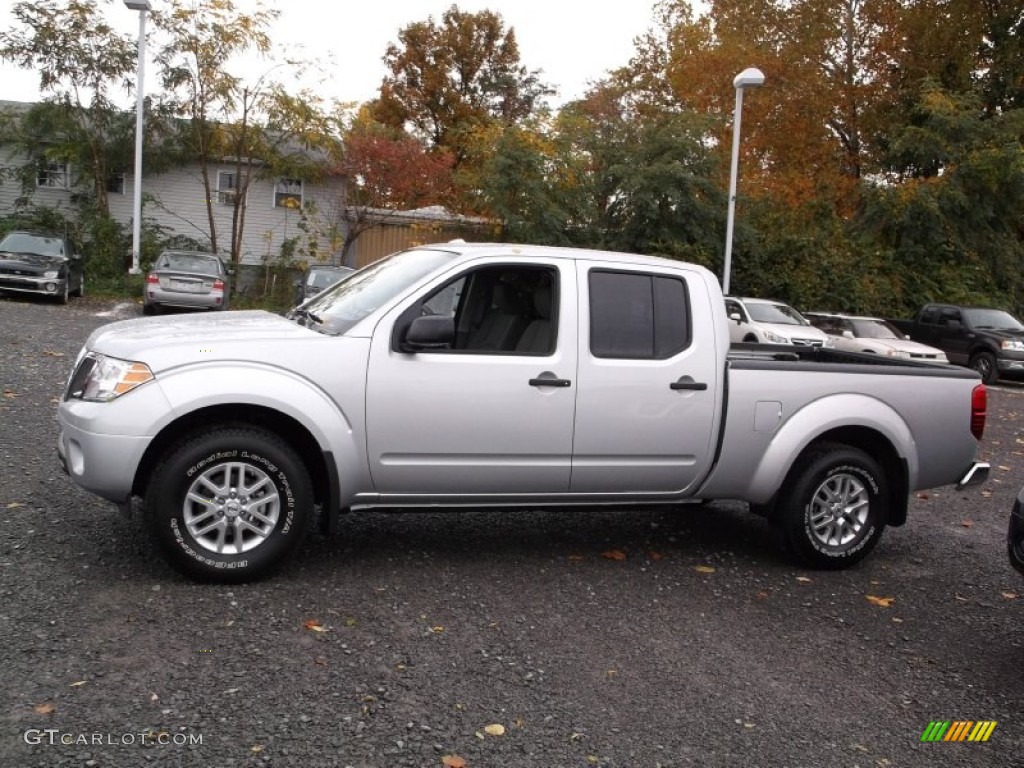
pixel 230 504
pixel 834 508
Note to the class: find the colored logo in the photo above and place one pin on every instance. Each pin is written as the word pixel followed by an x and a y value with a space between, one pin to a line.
pixel 958 730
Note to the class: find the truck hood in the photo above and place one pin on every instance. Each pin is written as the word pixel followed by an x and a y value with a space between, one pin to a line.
pixel 910 347
pixel 1001 333
pixel 162 342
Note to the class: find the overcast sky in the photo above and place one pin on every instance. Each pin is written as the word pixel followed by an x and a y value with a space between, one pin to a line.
pixel 572 41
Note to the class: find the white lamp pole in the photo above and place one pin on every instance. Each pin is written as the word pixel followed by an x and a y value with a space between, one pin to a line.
pixel 748 78
pixel 143 7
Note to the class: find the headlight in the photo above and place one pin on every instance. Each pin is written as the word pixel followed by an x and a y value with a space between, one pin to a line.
pixel 774 338
pixel 99 378
pixel 1016 346
pixel 50 274
pixel 897 353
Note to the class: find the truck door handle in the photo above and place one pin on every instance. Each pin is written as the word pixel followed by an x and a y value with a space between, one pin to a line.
pixel 548 379
pixel 686 382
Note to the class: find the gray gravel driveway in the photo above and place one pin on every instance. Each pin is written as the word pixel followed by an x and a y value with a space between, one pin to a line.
pixel 592 638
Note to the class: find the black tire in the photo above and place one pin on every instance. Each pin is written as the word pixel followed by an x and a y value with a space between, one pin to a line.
pixel 150 309
pixel 985 364
pixel 260 530
pixel 62 297
pixel 79 292
pixel 806 520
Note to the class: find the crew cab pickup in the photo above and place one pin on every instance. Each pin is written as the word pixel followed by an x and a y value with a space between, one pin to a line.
pixel 508 376
pixel 990 341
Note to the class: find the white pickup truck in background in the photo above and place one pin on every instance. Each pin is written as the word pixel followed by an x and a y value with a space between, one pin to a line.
pixel 498 375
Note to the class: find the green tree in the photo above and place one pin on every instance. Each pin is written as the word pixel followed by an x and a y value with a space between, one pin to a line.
pixel 79 59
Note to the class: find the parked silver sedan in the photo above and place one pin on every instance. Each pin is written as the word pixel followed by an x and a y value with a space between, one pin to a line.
pixel 190 279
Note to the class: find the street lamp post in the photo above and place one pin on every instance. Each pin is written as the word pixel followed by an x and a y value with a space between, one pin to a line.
pixel 750 77
pixel 143 7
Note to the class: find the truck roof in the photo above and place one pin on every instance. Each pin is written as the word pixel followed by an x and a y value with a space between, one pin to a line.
pixel 472 250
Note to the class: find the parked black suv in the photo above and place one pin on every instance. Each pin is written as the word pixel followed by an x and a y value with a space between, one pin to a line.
pixel 990 341
pixel 41 263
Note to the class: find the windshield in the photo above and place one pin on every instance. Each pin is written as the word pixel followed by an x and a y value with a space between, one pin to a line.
pixel 775 313
pixel 875 329
pixel 348 302
pixel 21 242
pixel 189 262
pixel 321 278
pixel 994 319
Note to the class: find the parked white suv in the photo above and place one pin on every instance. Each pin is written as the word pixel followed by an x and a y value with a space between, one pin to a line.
pixel 767 321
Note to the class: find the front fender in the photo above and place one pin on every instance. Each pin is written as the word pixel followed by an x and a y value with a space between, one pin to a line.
pixel 815 420
pixel 336 427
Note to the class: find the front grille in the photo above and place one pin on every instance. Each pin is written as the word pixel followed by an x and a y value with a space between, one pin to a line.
pixel 808 342
pixel 12 271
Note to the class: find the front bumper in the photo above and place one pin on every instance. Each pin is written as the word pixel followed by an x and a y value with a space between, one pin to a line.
pixel 102 464
pixel 1015 534
pixel 44 286
pixel 167 298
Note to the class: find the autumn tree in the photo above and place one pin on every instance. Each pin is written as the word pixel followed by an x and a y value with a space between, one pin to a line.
pixel 79 59
pixel 445 79
pixel 200 39
pixel 387 172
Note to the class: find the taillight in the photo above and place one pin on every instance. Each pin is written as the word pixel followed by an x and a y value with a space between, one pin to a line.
pixel 979 407
pixel 152 279
pixel 218 285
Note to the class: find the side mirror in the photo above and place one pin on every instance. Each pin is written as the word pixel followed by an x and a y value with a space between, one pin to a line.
pixel 736 317
pixel 429 332
pixel 848 334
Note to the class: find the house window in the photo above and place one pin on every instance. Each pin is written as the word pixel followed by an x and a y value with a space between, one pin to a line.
pixel 228 187
pixel 115 183
pixel 53 173
pixel 288 193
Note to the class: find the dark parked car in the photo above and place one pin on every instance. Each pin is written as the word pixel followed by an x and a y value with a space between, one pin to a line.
pixel 319 278
pixel 990 341
pixel 1015 536
pixel 192 279
pixel 41 263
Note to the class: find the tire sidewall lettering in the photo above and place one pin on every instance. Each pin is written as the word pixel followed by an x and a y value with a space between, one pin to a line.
pixel 866 534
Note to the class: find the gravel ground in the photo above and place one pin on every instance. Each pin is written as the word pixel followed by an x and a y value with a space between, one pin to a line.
pixel 439 627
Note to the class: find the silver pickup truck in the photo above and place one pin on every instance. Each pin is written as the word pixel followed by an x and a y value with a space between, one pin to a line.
pixel 472 375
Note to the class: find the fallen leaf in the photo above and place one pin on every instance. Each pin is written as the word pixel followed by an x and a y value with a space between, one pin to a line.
pixel 614 554
pixel 314 625
pixel 1010 595
pixel 479 735
pixel 453 761
pixel 575 558
pixel 593 759
pixel 762 595
pixel 896 621
pixel 15 505
pixel 804 579
pixel 494 729
pixel 320 661
pixel 519 723
pixel 10 393
pixel 437 630
pixel 153 697
pixel 655 556
pixel 986 493
pixel 351 622
pixel 923 496
pixel 256 748
pixel 51 353
pixel 1004 468
pixel 967 523
pixel 881 602
pixel 46 708
pixel 704 569
pixel 575 736
pixel 611 673
pixel 79 684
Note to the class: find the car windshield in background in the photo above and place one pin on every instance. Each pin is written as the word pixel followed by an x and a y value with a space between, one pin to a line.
pixel 774 313
pixel 875 329
pixel 321 278
pixel 994 319
pixel 189 262
pixel 20 242
pixel 344 305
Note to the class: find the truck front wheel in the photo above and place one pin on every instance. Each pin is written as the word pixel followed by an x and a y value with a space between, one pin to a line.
pixel 230 504
pixel 985 364
pixel 833 510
